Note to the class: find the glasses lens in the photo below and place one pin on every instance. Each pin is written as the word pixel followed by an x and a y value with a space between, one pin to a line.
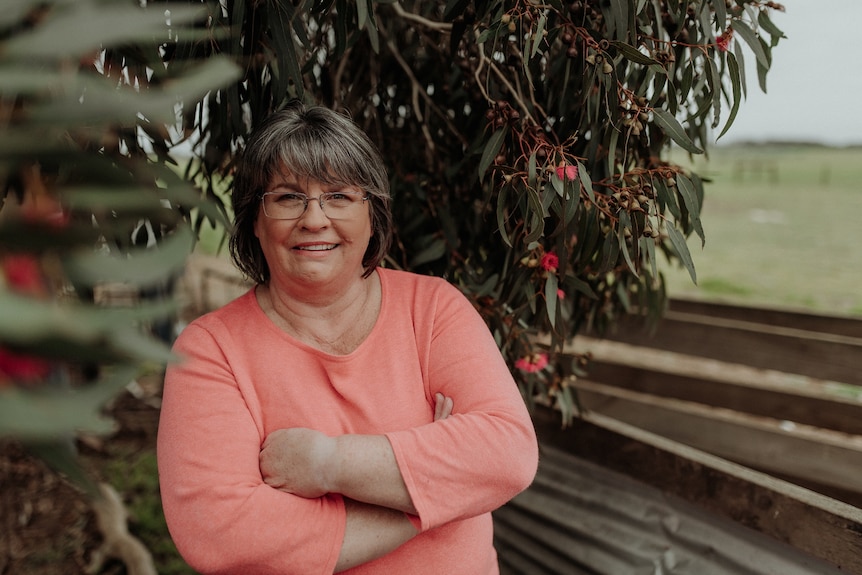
pixel 283 206
pixel 291 206
pixel 340 204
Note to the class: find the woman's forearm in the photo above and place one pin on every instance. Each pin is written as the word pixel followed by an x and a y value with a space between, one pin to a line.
pixel 365 469
pixel 371 532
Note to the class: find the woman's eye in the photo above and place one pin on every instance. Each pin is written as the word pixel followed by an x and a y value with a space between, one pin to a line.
pixel 289 198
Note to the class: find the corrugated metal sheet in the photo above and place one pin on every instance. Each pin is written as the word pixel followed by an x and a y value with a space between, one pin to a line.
pixel 578 518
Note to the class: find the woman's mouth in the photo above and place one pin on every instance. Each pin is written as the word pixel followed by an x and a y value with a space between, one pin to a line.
pixel 317 247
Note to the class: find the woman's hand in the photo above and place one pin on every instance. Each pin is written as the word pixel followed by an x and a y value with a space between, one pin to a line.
pixel 299 461
pixel 443 406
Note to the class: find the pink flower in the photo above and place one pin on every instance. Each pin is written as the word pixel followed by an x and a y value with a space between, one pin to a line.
pixel 567 172
pixel 550 262
pixel 22 273
pixel 561 294
pixel 22 368
pixel 532 363
pixel 723 41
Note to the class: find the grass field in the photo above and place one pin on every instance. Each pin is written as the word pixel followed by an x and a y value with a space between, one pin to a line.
pixel 782 226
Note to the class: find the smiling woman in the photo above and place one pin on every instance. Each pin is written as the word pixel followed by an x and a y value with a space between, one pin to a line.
pixel 339 416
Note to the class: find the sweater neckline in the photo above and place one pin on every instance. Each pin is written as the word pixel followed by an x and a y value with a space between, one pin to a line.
pixel 381 317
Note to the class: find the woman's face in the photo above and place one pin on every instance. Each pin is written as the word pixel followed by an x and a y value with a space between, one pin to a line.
pixel 313 251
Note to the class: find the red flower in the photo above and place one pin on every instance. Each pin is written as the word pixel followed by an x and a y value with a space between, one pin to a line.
pixel 22 273
pixel 569 172
pixel 23 368
pixel 723 41
pixel 561 294
pixel 550 262
pixel 532 363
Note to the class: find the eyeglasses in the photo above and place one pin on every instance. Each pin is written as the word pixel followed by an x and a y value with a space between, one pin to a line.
pixel 291 205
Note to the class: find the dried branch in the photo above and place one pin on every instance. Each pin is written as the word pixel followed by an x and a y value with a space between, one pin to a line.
pixel 111 517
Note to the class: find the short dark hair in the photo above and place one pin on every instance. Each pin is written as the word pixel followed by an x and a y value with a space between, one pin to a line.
pixel 311 142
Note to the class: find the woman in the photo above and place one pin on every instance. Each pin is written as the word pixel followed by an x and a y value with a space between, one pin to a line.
pixel 340 416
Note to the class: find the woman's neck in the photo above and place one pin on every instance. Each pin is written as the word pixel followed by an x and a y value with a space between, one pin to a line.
pixel 335 321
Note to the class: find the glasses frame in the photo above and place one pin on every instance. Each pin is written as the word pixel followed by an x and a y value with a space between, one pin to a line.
pixel 321 201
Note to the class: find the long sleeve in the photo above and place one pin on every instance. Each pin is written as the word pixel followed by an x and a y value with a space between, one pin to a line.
pixel 221 515
pixel 483 455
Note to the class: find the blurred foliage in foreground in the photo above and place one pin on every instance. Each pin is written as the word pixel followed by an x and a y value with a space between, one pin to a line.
pixel 89 204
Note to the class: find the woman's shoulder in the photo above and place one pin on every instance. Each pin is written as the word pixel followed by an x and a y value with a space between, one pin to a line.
pixel 412 281
pixel 424 290
pixel 238 310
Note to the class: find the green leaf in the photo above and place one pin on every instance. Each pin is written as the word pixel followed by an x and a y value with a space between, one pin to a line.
pixel 586 182
pixel 492 148
pixel 720 15
pixel 140 267
pixel 767 24
pixel 501 214
pixel 681 248
pixel 551 298
pixel 750 37
pixel 435 251
pixel 620 18
pixel 740 59
pixel 84 27
pixel 535 215
pixel 734 73
pixel 692 203
pixel 581 286
pixel 632 54
pixel 626 224
pixel 538 35
pixel 48 412
pixel 674 129
pixel 362 13
pixel 648 251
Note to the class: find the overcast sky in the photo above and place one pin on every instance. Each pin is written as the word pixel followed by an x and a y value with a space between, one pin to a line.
pixel 814 88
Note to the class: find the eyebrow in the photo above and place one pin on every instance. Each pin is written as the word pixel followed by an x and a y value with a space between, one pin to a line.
pixel 294 187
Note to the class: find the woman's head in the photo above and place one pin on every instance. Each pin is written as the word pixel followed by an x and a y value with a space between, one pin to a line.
pixel 315 143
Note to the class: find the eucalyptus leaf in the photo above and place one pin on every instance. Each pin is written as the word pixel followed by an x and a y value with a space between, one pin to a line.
pixel 140 267
pixel 48 412
pixel 674 129
pixel 750 37
pixel 586 182
pixel 492 148
pixel 681 248
pixel 87 26
pixel 632 54
pixel 436 250
pixel 736 87
pixel 551 298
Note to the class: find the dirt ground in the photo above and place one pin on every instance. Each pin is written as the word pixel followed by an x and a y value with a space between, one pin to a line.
pixel 47 526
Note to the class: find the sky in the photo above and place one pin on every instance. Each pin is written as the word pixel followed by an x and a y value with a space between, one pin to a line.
pixel 814 86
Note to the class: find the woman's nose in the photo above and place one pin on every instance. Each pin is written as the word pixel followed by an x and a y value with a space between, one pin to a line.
pixel 314 216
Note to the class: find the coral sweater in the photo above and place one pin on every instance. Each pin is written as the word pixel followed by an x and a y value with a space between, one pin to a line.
pixel 243 378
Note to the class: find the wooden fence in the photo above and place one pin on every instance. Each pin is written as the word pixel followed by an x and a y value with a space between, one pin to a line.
pixel 752 415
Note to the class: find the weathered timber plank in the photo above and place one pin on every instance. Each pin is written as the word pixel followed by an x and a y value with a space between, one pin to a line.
pixel 770 393
pixel 578 517
pixel 812 454
pixel 816 524
pixel 820 355
pixel 850 326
